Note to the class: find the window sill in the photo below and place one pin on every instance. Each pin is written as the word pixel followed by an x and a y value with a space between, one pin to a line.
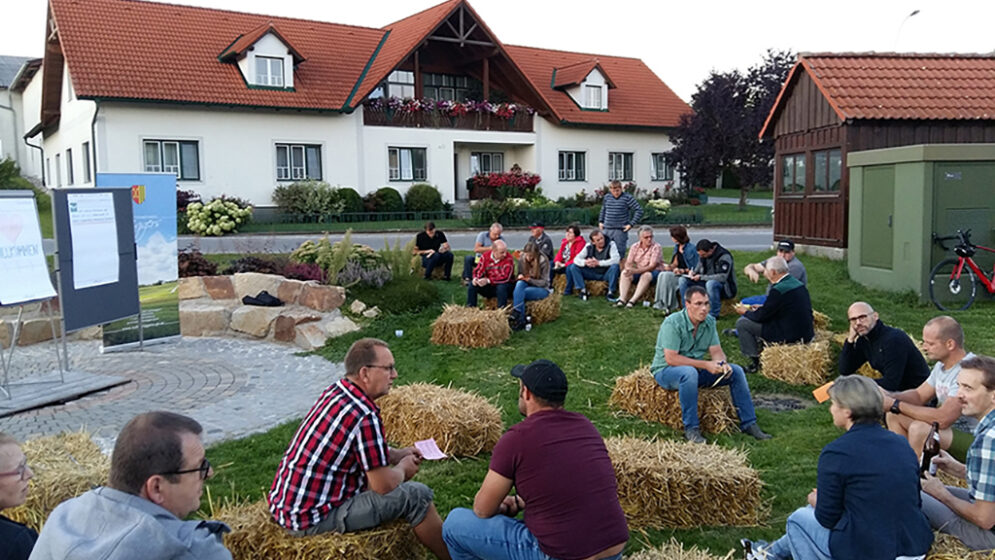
pixel 572 181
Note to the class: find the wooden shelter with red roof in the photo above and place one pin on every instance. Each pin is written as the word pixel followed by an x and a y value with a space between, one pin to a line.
pixel 834 104
pixel 240 103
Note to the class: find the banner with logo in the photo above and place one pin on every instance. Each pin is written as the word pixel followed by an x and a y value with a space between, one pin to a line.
pixel 153 199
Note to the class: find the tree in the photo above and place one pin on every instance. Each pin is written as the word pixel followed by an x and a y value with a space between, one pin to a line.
pixel 729 109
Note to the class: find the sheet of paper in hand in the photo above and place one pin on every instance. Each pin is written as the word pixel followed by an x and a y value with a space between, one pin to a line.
pixel 429 449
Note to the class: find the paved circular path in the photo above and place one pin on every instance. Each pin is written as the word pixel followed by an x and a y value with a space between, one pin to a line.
pixel 232 387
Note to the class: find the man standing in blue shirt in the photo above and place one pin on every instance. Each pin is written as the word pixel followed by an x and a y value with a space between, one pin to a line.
pixel 968 513
pixel 682 344
pixel 615 220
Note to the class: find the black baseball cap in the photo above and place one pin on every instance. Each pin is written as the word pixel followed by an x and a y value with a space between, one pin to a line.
pixel 785 245
pixel 544 379
pixel 537 224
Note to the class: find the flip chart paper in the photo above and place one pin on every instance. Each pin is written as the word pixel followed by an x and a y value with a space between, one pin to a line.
pixel 93 232
pixel 22 257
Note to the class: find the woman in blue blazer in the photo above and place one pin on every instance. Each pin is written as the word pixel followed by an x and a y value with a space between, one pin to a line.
pixel 867 504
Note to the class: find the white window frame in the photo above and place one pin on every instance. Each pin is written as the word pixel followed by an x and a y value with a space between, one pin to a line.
pixel 477 165
pixel 401 83
pixel 659 170
pixel 618 164
pixel 299 162
pixel 272 75
pixel 401 167
pixel 571 171
pixel 169 157
pixel 593 97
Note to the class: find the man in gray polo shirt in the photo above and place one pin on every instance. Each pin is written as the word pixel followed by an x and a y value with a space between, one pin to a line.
pixel 482 244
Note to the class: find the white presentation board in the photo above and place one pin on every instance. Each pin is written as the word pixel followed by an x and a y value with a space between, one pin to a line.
pixel 25 274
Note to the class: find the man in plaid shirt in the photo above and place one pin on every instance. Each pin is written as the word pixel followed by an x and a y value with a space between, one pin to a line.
pixel 969 513
pixel 338 473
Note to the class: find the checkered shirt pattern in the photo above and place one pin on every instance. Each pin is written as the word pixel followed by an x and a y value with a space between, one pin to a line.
pixel 340 439
pixel 981 460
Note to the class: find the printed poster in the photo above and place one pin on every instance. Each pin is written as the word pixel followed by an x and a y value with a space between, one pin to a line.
pixel 93 233
pixel 153 202
pixel 22 258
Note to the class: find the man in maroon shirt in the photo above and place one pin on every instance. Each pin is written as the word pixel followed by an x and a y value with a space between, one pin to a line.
pixel 563 478
pixel 338 473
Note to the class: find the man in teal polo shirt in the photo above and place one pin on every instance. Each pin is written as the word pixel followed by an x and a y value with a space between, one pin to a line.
pixel 682 344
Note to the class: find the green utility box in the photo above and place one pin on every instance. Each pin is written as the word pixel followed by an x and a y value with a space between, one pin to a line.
pixel 900 197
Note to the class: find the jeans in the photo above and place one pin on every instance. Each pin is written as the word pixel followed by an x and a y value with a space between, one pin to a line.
pixel 804 538
pixel 500 291
pixel 438 259
pixel 714 288
pixel 576 275
pixel 469 537
pixel 687 379
pixel 523 292
pixel 468 263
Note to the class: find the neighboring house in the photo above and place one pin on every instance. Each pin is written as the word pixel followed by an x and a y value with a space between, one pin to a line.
pixel 14 70
pixel 833 104
pixel 239 103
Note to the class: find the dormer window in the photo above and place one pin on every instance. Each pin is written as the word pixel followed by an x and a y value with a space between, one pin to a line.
pixel 586 82
pixel 269 71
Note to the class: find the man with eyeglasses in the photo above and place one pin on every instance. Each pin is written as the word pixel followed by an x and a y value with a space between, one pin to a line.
pixel 887 349
pixel 17 539
pixel 339 475
pixel 158 469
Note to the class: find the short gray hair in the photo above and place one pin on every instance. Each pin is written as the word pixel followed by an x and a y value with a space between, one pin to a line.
pixel 645 227
pixel 497 226
pixel 777 264
pixel 860 395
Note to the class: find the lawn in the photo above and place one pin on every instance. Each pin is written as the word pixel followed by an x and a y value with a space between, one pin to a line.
pixel 734 193
pixel 595 343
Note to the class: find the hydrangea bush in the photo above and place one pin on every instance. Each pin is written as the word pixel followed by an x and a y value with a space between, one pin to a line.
pixel 217 217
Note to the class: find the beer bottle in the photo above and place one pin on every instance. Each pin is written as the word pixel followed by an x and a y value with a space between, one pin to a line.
pixel 929 450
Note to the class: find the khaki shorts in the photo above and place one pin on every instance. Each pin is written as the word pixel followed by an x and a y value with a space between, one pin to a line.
pixel 369 509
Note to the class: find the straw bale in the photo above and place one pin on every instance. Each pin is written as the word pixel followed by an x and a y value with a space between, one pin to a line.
pixel 820 321
pixel 419 271
pixel 462 423
pixel 596 288
pixel 674 550
pixel 640 395
pixel 65 466
pixel 671 484
pixel 797 364
pixel 471 327
pixel 948 547
pixel 544 310
pixel 255 536
pixel 823 336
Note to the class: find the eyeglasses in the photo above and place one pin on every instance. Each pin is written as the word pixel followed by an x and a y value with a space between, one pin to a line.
pixel 391 367
pixel 21 471
pixel 858 318
pixel 204 469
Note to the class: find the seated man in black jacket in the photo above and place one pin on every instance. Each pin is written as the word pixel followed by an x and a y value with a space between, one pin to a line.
pixel 786 315
pixel 887 349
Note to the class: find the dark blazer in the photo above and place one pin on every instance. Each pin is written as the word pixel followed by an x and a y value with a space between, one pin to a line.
pixel 869 496
pixel 890 351
pixel 786 316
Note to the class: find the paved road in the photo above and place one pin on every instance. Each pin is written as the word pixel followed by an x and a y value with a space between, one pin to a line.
pixel 741 238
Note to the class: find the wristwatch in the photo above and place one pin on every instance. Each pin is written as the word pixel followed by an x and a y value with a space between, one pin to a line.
pixel 894 407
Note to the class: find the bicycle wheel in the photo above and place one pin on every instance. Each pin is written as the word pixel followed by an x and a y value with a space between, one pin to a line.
pixel 950 292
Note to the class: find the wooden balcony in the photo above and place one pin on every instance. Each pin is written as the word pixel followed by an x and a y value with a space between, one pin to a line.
pixel 521 122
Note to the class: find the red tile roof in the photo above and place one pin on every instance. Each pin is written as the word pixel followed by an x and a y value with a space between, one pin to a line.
pixel 116 49
pixel 573 74
pixel 639 99
pixel 911 86
pixel 242 44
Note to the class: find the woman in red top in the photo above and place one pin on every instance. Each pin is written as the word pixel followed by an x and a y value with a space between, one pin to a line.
pixel 570 247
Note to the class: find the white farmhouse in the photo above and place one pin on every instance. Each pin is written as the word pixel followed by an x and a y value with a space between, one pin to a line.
pixel 237 103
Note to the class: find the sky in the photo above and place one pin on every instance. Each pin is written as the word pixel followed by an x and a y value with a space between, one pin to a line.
pixel 680 41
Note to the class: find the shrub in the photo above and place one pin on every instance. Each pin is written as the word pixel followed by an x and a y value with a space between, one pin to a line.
pixel 311 198
pixel 398 259
pixel 344 262
pixel 384 199
pixel 303 271
pixel 184 199
pixel 351 199
pixel 192 263
pixel 402 295
pixel 422 197
pixel 253 264
pixel 217 217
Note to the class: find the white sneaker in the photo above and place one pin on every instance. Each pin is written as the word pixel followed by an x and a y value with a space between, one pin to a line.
pixel 754 550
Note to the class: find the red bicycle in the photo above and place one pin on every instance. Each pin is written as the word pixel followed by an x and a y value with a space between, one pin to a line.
pixel 952 285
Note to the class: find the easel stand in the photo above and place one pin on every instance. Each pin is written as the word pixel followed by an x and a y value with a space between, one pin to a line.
pixel 58 340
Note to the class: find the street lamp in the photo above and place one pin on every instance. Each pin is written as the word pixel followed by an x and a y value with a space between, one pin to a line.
pixel 901 25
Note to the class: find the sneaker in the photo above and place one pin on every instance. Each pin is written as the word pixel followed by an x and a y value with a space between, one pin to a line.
pixel 611 298
pixel 694 435
pixel 754 550
pixel 755 431
pixel 730 332
pixel 658 306
pixel 754 365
